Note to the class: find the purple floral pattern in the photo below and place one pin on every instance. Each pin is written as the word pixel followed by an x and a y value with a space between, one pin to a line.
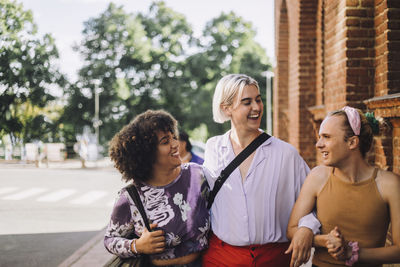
pixel 178 208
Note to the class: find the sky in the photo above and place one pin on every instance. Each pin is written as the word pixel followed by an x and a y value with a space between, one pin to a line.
pixel 63 19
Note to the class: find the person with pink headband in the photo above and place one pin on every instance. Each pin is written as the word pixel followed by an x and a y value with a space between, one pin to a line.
pixel 353 116
pixel 354 201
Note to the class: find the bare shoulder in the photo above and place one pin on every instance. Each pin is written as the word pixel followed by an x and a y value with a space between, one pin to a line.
pixel 388 182
pixel 317 177
pixel 388 178
pixel 320 173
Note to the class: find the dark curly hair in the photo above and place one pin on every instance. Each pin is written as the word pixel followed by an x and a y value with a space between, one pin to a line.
pixel 133 149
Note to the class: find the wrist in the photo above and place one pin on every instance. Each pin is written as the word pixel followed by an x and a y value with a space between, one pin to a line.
pixel 320 240
pixel 354 253
pixel 134 247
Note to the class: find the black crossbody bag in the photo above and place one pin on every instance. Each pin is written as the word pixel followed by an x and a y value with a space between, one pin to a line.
pixel 234 164
pixel 142 260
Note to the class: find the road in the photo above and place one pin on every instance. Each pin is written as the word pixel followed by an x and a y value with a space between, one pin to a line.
pixel 46 214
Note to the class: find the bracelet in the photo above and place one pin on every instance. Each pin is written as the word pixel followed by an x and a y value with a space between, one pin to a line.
pixel 354 253
pixel 134 246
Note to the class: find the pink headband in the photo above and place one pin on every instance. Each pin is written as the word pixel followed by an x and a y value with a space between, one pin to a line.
pixel 354 119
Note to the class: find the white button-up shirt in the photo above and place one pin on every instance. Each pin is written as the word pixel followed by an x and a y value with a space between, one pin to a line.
pixel 255 210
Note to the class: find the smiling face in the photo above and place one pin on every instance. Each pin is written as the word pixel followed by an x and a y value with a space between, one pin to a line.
pixel 167 155
pixel 331 144
pixel 247 109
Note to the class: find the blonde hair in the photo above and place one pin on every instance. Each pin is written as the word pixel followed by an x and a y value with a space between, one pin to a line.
pixel 366 133
pixel 227 88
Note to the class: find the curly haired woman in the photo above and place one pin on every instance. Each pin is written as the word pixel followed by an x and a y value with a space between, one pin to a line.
pixel 146 153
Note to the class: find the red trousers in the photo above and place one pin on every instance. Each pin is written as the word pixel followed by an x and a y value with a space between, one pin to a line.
pixel 220 253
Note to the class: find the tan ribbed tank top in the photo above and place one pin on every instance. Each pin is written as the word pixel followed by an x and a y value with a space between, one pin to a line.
pixel 357 209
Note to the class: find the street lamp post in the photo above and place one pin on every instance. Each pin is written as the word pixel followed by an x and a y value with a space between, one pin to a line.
pixel 269 100
pixel 96 114
pixel 97 122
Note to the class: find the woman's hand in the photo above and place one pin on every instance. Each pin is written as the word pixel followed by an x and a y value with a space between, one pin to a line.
pixel 151 242
pixel 300 247
pixel 337 245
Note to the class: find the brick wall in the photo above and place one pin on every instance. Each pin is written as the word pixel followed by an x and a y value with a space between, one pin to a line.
pixel 307 76
pixel 335 55
pixel 299 90
pixel 396 145
pixel 294 90
pixel 320 54
pixel 387 47
pixel 280 123
pixel 332 53
pixel 360 53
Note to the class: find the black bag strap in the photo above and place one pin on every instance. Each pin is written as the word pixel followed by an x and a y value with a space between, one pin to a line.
pixel 132 190
pixel 234 164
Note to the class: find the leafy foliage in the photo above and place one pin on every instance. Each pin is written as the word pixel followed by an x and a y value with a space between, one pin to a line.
pixel 152 60
pixel 27 74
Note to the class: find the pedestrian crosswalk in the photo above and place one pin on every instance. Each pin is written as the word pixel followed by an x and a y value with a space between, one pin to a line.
pixel 69 195
pixel 25 193
pixel 5 190
pixel 56 195
pixel 89 197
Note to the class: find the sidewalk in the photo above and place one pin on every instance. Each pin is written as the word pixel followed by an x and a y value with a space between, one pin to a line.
pixel 91 254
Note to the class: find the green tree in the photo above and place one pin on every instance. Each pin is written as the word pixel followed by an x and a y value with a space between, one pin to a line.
pixel 111 41
pixel 27 74
pixel 136 61
pixel 152 60
pixel 172 39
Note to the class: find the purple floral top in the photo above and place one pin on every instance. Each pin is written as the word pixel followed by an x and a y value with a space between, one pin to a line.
pixel 178 208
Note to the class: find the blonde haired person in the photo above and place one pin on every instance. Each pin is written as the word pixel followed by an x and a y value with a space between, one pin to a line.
pixel 354 201
pixel 250 213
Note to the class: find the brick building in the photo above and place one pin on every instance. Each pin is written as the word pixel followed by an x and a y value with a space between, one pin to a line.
pixel 332 53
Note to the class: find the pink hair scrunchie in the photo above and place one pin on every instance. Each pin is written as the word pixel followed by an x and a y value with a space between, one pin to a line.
pixel 354 119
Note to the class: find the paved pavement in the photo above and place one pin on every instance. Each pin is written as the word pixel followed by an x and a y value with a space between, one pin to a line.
pixel 90 254
pixel 93 252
